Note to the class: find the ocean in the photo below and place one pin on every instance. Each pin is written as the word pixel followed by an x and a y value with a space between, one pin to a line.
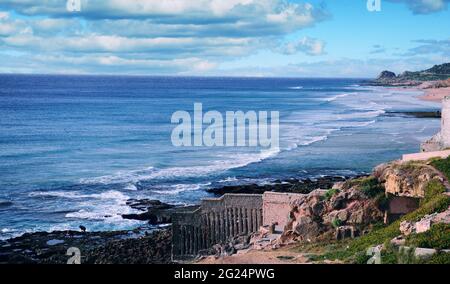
pixel 74 149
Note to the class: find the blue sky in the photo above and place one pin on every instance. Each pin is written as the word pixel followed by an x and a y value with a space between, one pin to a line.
pixel 328 38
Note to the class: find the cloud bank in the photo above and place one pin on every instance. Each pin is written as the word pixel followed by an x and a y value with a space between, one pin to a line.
pixel 184 34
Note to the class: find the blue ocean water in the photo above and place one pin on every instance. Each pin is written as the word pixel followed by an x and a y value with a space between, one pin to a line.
pixel 74 149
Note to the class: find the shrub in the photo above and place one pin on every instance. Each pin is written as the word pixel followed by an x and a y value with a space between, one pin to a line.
pixel 371 187
pixel 438 237
pixel 330 193
pixel 336 223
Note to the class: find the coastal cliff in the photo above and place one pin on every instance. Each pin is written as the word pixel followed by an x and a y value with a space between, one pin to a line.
pixel 402 211
pixel 438 74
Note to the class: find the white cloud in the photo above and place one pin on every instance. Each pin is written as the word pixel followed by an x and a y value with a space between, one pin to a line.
pixel 148 33
pixel 424 6
pixel 306 45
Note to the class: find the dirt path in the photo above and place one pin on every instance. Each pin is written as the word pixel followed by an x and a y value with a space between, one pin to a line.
pixel 281 256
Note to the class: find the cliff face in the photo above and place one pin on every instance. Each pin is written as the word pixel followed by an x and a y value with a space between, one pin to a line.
pixel 346 212
pixel 350 209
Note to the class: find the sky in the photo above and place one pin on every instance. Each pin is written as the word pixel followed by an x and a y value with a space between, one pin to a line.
pixel 276 38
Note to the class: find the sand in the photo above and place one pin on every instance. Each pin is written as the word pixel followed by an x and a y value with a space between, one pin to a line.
pixel 259 257
pixel 435 94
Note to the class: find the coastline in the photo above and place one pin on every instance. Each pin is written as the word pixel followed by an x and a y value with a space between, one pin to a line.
pixel 46 247
pixel 428 93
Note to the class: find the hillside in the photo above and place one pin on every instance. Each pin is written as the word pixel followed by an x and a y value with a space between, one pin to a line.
pixel 408 78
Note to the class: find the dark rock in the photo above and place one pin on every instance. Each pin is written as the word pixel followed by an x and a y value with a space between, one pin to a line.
pixel 115 247
pixel 157 213
pixel 292 186
pixel 386 75
pixel 416 114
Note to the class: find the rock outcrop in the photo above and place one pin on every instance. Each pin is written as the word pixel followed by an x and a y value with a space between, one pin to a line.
pixel 386 75
pixel 424 224
pixel 154 211
pixel 406 179
pixel 346 214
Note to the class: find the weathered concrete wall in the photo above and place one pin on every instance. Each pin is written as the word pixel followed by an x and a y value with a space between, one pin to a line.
pixel 277 206
pixel 400 206
pixel 215 222
pixel 440 141
pixel 445 125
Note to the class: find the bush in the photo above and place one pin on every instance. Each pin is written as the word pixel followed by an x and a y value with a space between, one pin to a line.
pixel 330 193
pixel 438 237
pixel 371 187
pixel 336 223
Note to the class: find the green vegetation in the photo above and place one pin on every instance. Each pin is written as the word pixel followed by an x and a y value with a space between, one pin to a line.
pixel 442 165
pixel 330 193
pixel 369 185
pixel 439 258
pixel 336 223
pixel 433 188
pixel 349 251
pixel 438 237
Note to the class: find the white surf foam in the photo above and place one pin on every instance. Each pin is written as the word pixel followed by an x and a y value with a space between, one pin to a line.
pixel 332 99
pixel 226 162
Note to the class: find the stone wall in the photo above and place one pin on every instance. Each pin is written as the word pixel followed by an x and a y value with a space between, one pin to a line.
pixel 277 207
pixel 215 222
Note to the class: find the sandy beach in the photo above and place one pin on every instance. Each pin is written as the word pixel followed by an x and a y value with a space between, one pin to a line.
pixel 435 94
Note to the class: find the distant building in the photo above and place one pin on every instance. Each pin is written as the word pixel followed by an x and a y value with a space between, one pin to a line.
pixel 440 141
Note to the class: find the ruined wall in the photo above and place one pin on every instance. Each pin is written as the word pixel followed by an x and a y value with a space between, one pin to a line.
pixel 215 222
pixel 277 206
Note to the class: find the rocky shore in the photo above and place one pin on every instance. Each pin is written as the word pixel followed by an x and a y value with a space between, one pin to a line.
pixel 302 186
pixel 139 246
pixel 143 245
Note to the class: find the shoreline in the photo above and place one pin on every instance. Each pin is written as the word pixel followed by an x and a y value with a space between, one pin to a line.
pixel 115 241
pixel 428 94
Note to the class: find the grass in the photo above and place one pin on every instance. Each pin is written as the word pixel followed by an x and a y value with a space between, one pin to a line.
pixel 370 186
pixel 438 203
pixel 433 188
pixel 440 258
pixel 442 165
pixel 438 237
